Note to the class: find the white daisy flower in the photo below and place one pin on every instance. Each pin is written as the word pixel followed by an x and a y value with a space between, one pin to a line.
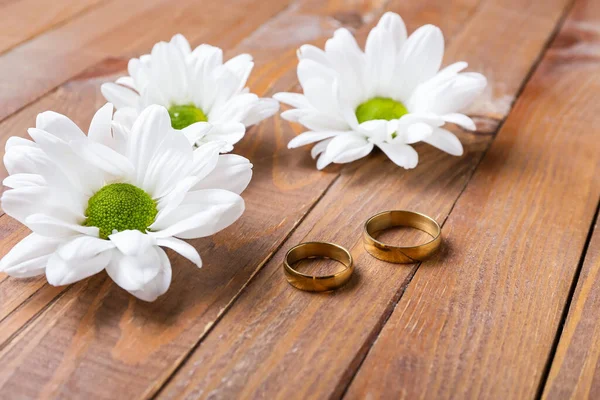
pixel 109 200
pixel 389 96
pixel 206 98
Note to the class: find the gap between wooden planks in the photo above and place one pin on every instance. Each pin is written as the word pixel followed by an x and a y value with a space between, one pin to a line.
pixel 574 365
pixel 70 307
pixel 276 342
pixel 121 28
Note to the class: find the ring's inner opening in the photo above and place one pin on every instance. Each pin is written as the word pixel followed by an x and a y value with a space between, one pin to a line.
pixel 318 259
pixel 318 266
pixel 404 236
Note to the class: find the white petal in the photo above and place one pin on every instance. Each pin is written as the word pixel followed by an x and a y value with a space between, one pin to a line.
pixel 401 154
pixel 29 199
pixel 349 63
pixel 168 73
pixel 59 126
pixel 157 152
pixel 19 141
pixel 262 109
pixel 204 87
pixel 120 96
pixel 77 259
pixel 235 109
pixel 79 173
pixel 24 180
pixel 445 141
pixel 395 27
pixel 419 59
pixel 317 83
pixel 296 100
pixel 294 115
pixel 380 51
pixel 447 96
pixel 126 81
pixel 181 43
pixel 100 127
pixel 171 201
pixel 135 272
pixel 132 242
pixel 126 116
pixel 46 225
pixel 29 257
pixel 319 148
pixel 232 173
pixel 26 159
pixel 345 147
pixel 104 158
pixel 202 213
pixel 228 85
pixel 310 52
pixel 161 282
pixel 417 132
pixel 323 122
pixel 195 132
pixel 323 161
pixel 353 154
pixel 311 137
pixel 461 120
pixel 241 65
pixel 83 247
pixel 181 247
pixel 376 130
pixel 230 133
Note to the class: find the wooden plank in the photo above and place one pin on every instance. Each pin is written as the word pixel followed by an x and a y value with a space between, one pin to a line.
pixel 575 368
pixel 493 302
pixel 166 330
pixel 278 342
pixel 23 19
pixel 116 29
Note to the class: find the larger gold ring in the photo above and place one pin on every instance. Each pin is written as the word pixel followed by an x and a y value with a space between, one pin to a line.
pixel 317 250
pixel 396 254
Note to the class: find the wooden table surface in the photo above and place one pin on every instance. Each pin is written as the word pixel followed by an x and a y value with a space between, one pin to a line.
pixel 508 309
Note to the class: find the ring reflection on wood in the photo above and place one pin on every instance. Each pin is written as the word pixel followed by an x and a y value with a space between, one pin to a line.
pixel 318 250
pixel 398 254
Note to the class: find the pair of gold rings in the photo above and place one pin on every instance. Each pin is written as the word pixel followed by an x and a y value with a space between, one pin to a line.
pixel 379 250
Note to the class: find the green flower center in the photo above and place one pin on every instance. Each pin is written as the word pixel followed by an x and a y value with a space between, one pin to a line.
pixel 120 206
pixel 380 108
pixel 185 115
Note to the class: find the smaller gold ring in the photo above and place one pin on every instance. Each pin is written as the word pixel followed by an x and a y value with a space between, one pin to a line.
pixel 397 254
pixel 317 250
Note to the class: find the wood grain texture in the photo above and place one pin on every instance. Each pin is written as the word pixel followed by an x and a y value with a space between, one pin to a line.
pixel 121 28
pixel 480 321
pixel 575 368
pixel 135 345
pixel 23 19
pixel 278 342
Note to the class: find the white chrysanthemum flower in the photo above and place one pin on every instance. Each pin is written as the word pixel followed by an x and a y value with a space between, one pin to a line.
pixel 206 98
pixel 110 199
pixel 389 96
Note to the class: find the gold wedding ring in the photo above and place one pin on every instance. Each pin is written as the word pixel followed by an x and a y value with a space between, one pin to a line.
pixel 397 254
pixel 317 250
